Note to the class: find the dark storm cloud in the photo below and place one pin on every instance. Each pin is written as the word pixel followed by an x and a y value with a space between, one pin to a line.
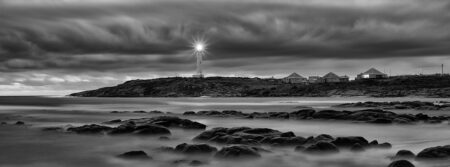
pixel 116 35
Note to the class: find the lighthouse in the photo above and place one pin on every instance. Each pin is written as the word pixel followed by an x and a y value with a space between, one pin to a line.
pixel 199 52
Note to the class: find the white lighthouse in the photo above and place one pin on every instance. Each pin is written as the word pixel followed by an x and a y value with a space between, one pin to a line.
pixel 199 52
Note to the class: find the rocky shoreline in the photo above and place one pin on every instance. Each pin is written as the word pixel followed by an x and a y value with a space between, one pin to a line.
pixel 416 105
pixel 397 86
pixel 245 143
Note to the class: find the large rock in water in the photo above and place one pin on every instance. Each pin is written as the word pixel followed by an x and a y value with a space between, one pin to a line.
pixel 350 141
pixel 238 152
pixel 439 152
pixel 151 130
pixel 404 154
pixel 170 121
pixel 90 129
pixel 141 155
pixel 321 147
pixel 401 163
pixel 250 136
pixel 195 149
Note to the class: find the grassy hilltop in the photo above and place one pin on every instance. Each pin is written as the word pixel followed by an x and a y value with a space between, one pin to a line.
pixel 398 86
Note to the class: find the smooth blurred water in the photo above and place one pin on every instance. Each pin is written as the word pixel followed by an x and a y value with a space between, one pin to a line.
pixel 29 146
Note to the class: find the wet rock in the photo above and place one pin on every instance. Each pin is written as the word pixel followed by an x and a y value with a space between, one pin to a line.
pixel 141 155
pixel 373 143
pixel 210 113
pixel 171 121
pixel 302 114
pixel 357 148
pixel 384 145
pixel 401 163
pixel 89 129
pixel 262 131
pixel 321 147
pixel 329 114
pixel 439 152
pixel 404 154
pixel 238 152
pixel 123 129
pixel 189 113
pixel 196 163
pixel 156 112
pixel 288 134
pixel 53 129
pixel 232 112
pixel 3 123
pixel 195 149
pixel 115 121
pixel 20 123
pixel 139 112
pixel 381 121
pixel 151 130
pixel 350 141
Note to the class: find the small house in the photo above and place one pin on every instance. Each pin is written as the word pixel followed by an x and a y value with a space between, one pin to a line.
pixel 372 74
pixel 331 77
pixel 295 78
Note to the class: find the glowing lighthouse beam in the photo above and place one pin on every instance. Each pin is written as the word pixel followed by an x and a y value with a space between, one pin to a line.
pixel 199 52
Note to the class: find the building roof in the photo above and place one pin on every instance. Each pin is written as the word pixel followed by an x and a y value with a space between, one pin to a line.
pixel 373 71
pixel 294 75
pixel 331 75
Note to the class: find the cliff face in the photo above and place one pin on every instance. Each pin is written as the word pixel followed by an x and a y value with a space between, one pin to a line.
pixel 426 86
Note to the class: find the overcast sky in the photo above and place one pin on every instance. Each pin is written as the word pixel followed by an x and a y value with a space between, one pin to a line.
pixel 63 46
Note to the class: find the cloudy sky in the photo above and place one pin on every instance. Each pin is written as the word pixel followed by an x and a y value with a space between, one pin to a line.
pixel 61 46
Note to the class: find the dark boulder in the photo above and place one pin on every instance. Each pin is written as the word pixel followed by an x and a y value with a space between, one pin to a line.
pixel 261 131
pixel 401 163
pixel 170 121
pixel 151 130
pixel 329 114
pixel 350 141
pixel 404 154
pixel 288 134
pixel 381 121
pixel 89 129
pixel 20 123
pixel 114 121
pixel 357 148
pixel 141 155
pixel 195 149
pixel 238 152
pixel 321 147
pixel 189 113
pixel 155 112
pixel 123 129
pixel 300 148
pixel 196 163
pixel 302 114
pixel 384 145
pixel 439 152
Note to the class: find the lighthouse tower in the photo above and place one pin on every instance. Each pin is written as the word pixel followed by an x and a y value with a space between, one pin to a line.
pixel 199 53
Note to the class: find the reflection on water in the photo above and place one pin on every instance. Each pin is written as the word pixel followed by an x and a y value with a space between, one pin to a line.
pixel 28 146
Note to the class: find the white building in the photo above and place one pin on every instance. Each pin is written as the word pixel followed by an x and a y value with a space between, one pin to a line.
pixel 372 74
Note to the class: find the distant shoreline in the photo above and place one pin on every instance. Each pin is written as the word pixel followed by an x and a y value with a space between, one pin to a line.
pixel 426 86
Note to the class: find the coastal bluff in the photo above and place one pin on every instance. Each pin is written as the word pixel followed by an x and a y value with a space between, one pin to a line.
pixel 397 86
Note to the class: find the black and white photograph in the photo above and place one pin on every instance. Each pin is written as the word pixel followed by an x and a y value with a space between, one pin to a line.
pixel 225 83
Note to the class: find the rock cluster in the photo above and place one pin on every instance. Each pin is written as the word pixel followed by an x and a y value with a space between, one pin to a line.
pixel 439 152
pixel 377 116
pixel 143 126
pixel 416 105
pixel 128 128
pixel 139 155
pixel 264 136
